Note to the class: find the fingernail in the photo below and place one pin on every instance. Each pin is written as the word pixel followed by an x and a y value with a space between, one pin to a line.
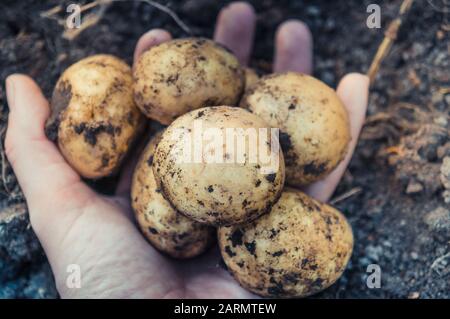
pixel 10 91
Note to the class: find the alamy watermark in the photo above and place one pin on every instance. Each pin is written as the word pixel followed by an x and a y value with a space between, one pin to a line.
pixel 228 146
pixel 73 21
pixel 73 280
pixel 374 19
pixel 374 279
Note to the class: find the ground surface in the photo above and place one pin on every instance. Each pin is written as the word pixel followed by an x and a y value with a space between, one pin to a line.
pixel 400 216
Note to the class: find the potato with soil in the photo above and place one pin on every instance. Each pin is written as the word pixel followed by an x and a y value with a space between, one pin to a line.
pixel 313 122
pixel 211 167
pixel 94 117
pixel 181 75
pixel 300 248
pixel 165 228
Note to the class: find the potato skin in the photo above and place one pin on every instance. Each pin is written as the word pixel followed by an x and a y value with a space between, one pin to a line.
pixel 251 77
pixel 300 248
pixel 94 115
pixel 313 122
pixel 165 228
pixel 211 192
pixel 185 74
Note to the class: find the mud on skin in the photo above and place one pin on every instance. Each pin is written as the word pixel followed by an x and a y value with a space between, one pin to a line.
pixel 186 74
pixel 312 147
pixel 164 227
pixel 230 192
pixel 92 140
pixel 298 249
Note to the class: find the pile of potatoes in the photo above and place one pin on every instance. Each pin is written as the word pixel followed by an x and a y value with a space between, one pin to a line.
pixel 275 240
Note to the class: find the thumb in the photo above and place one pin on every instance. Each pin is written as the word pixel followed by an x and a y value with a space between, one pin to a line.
pixel 38 165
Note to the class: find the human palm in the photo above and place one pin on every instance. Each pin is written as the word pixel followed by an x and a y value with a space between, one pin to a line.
pixel 78 226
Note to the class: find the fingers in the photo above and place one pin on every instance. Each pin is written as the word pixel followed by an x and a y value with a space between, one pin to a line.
pixel 235 28
pixel 293 48
pixel 150 39
pixel 354 92
pixel 37 163
pixel 20 90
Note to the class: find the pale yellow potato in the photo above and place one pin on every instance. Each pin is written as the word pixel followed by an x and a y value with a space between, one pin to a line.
pixel 219 187
pixel 313 122
pixel 300 248
pixel 251 77
pixel 181 75
pixel 165 228
pixel 94 117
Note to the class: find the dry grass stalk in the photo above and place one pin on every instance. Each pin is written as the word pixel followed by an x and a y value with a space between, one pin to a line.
pixel 389 38
pixel 346 195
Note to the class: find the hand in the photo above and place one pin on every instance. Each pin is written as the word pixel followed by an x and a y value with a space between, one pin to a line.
pixel 78 226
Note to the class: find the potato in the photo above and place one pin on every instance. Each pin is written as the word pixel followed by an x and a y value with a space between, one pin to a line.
pixel 300 248
pixel 165 228
pixel 313 122
pixel 251 77
pixel 185 74
pixel 208 177
pixel 94 116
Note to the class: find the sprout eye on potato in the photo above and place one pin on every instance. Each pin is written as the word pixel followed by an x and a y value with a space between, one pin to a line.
pixel 186 74
pixel 94 116
pixel 165 228
pixel 223 190
pixel 300 248
pixel 313 121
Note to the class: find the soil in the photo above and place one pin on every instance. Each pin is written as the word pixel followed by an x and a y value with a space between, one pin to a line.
pixel 398 180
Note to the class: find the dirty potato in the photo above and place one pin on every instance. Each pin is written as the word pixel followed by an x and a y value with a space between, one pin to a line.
pixel 94 117
pixel 300 248
pixel 313 122
pixel 215 166
pixel 185 74
pixel 165 228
